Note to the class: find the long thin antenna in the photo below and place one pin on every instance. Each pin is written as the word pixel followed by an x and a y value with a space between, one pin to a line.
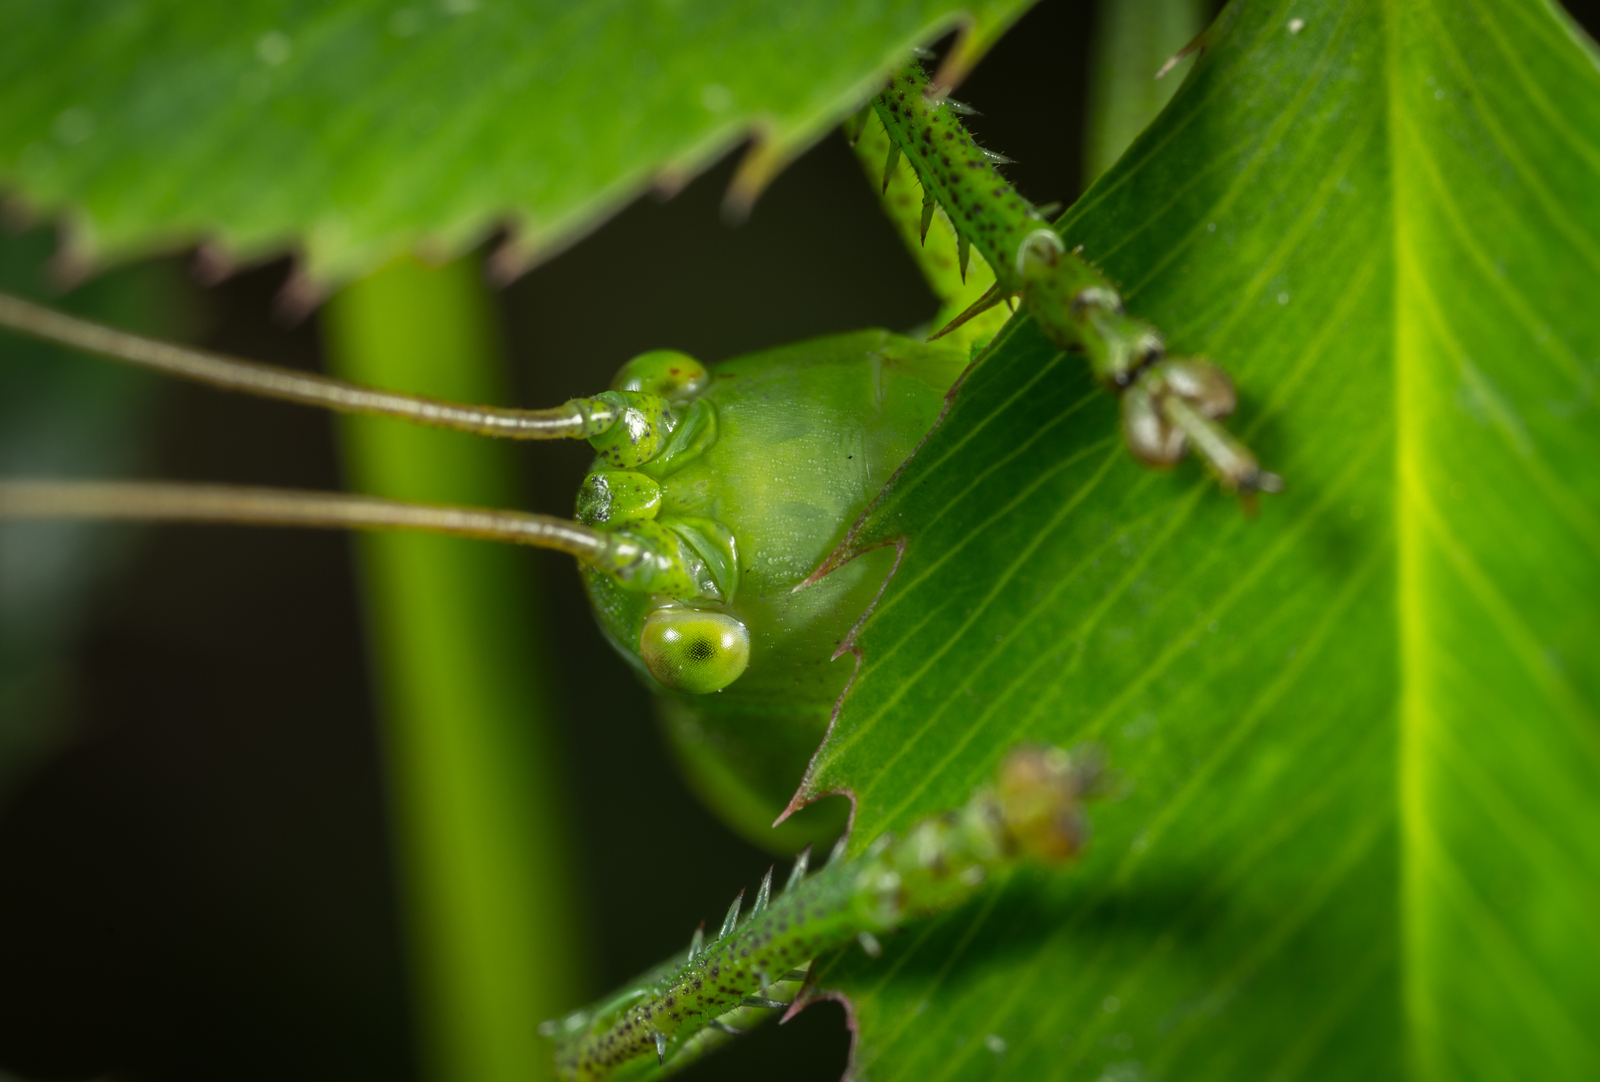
pixel 577 419
pixel 161 502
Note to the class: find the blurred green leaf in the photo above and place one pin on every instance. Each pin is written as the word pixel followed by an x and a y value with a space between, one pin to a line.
pixel 1362 728
pixel 1133 39
pixel 357 129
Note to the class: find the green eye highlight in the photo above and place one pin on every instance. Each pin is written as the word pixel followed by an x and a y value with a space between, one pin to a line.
pixel 693 651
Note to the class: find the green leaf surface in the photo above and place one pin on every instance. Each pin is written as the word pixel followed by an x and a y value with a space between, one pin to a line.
pixel 1362 729
pixel 356 129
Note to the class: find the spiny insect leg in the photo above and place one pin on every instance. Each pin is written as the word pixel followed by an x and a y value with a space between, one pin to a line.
pixel 1020 817
pixel 1071 301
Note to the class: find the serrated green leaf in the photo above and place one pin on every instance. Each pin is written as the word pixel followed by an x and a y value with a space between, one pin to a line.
pixel 358 129
pixel 1363 728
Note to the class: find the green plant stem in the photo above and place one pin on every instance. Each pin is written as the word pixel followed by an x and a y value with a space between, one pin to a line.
pixel 464 689
pixel 1133 39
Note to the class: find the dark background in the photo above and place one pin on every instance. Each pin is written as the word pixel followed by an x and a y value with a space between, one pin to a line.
pixel 199 885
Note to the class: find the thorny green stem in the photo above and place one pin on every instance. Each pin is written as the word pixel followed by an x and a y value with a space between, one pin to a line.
pixel 671 1014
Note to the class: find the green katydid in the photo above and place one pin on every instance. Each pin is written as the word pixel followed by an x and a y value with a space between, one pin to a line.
pixel 716 495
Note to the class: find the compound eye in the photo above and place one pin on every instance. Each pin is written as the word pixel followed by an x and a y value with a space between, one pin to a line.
pixel 693 651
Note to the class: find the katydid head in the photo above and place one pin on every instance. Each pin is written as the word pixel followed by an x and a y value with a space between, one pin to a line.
pixel 769 460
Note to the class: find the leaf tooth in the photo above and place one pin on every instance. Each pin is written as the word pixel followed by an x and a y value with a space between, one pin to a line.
pixel 661 1047
pixel 697 944
pixel 963 253
pixel 927 214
